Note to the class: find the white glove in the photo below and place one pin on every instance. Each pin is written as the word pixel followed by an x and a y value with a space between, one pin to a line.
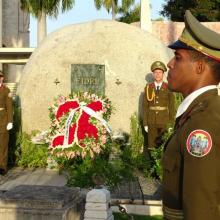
pixel 146 128
pixel 9 126
pixel 170 129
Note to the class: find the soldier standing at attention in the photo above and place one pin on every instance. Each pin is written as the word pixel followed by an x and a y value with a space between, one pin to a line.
pixel 158 106
pixel 191 159
pixel 5 123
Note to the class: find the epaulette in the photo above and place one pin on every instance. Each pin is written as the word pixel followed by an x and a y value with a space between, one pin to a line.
pixel 164 85
pixel 151 85
pixel 201 106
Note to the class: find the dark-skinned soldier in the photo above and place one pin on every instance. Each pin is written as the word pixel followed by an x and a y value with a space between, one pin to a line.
pixel 191 158
pixel 158 106
pixel 6 117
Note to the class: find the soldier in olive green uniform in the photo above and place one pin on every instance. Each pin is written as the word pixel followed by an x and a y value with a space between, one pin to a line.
pixel 191 159
pixel 5 123
pixel 158 106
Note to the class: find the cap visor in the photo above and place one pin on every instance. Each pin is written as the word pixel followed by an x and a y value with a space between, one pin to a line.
pixel 179 45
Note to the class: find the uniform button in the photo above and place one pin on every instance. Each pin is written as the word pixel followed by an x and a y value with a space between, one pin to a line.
pixel 156 112
pixel 156 101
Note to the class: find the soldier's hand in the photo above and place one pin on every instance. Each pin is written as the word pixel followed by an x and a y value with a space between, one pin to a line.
pixel 146 128
pixel 9 126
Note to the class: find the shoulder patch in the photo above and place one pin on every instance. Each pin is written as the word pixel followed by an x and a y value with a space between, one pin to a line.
pixel 165 85
pixel 151 85
pixel 199 143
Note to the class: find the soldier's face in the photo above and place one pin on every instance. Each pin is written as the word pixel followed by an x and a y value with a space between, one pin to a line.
pixel 181 77
pixel 158 75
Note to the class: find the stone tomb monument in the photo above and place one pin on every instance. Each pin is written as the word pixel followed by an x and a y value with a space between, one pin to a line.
pixel 73 57
pixel 34 202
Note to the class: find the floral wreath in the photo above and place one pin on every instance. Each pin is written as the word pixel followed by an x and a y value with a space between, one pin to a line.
pixel 79 125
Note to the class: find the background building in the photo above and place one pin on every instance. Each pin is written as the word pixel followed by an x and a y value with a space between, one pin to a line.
pixel 14 39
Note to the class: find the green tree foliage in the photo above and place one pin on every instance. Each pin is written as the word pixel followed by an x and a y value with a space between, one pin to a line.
pixel 203 10
pixel 50 7
pixel 42 8
pixel 131 15
pixel 113 6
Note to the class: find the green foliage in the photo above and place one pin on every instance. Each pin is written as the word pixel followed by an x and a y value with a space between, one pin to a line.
pixel 136 136
pixel 51 8
pixel 114 6
pixel 130 15
pixel 29 154
pixel 155 170
pixel 88 171
pixel 203 10
pixel 120 216
pixel 14 133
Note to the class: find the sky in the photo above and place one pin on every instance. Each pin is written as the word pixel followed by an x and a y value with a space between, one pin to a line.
pixel 83 11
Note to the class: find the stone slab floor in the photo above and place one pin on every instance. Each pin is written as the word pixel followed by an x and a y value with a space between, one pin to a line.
pixel 31 176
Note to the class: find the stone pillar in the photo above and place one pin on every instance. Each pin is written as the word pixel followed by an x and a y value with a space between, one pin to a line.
pixel 146 23
pixel 98 205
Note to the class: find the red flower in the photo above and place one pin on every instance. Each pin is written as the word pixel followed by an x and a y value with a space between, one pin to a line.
pixel 64 108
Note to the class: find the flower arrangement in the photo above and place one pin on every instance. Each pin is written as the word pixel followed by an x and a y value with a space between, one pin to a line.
pixel 79 125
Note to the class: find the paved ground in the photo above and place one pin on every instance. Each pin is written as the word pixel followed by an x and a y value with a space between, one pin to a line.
pixel 141 188
pixel 31 176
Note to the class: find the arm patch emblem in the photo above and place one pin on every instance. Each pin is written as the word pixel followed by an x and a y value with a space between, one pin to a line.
pixel 199 143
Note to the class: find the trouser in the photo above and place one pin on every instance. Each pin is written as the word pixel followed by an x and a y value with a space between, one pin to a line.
pixel 4 138
pixel 172 214
pixel 155 134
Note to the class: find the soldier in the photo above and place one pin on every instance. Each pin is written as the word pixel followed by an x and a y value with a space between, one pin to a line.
pixel 158 106
pixel 5 123
pixel 191 176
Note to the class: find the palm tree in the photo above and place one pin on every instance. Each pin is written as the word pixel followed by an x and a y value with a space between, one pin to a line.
pixel 113 6
pixel 41 8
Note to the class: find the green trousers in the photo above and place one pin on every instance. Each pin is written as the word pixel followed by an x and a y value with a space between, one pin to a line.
pixel 155 134
pixel 4 138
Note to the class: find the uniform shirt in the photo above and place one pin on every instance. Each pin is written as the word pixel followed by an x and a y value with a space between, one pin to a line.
pixel 163 99
pixel 191 160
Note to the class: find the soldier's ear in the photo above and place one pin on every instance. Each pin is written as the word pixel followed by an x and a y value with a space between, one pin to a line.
pixel 200 67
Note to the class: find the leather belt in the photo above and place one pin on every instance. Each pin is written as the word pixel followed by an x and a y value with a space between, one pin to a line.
pixel 158 108
pixel 1 109
pixel 172 214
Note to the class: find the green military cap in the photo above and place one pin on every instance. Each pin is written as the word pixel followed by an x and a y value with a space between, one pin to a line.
pixel 1 74
pixel 198 37
pixel 158 65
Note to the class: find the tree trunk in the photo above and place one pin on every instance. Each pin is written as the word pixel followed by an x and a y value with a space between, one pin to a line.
pixel 41 27
pixel 113 10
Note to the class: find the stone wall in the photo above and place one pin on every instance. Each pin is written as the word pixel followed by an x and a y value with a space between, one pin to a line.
pixel 15 33
pixel 15 24
pixel 169 31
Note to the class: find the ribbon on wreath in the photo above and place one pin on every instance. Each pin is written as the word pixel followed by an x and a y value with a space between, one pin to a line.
pixel 79 130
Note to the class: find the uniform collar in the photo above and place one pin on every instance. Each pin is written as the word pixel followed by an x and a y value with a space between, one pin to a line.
pixel 158 84
pixel 191 97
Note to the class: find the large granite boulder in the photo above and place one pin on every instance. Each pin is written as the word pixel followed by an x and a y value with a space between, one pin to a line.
pixel 126 51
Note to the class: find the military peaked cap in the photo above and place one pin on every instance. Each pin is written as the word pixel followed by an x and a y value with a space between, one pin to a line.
pixel 158 65
pixel 198 37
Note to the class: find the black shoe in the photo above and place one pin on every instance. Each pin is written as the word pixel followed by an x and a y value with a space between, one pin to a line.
pixel 2 171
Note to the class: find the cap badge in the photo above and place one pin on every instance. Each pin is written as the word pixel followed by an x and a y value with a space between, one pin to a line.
pixel 199 143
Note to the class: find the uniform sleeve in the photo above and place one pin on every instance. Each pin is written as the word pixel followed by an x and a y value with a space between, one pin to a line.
pixel 145 108
pixel 9 106
pixel 172 109
pixel 201 178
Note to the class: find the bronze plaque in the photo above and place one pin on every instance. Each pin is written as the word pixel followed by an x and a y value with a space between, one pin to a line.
pixel 88 78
